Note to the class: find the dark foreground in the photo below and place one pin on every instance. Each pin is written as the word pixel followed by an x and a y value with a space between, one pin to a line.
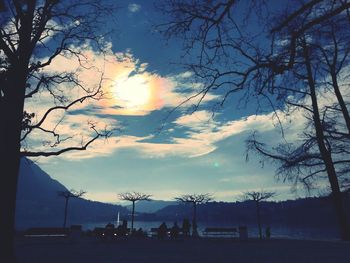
pixel 88 250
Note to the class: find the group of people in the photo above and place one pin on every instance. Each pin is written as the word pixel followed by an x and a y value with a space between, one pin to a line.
pixel 122 230
pixel 163 231
pixel 175 230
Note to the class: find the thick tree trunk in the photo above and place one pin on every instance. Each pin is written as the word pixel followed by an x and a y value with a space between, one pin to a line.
pixel 11 114
pixel 326 156
pixel 9 172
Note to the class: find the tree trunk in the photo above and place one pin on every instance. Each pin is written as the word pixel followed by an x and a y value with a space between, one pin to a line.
pixel 340 99
pixel 65 212
pixel 258 218
pixel 194 221
pixel 132 217
pixel 326 156
pixel 11 114
pixel 9 171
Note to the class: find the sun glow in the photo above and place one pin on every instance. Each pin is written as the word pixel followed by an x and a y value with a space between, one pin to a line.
pixel 133 92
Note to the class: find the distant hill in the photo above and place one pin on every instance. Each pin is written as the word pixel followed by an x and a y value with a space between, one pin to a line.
pixel 39 205
pixel 302 212
pixel 150 206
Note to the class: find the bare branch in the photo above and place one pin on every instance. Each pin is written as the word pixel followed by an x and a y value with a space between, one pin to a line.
pixel 105 135
pixel 71 194
pixel 258 196
pixel 195 198
pixel 134 196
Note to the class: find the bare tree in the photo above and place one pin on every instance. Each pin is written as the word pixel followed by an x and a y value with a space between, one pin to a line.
pixel 320 61
pixel 285 63
pixel 67 195
pixel 257 197
pixel 134 197
pixel 33 34
pixel 195 199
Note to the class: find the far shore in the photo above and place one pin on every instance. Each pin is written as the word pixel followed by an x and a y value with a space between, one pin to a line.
pixel 201 250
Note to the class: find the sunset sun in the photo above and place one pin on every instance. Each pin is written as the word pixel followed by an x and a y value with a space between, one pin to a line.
pixel 133 92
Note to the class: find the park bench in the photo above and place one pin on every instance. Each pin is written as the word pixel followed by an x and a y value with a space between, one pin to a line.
pixel 154 232
pixel 103 232
pixel 220 232
pixel 47 232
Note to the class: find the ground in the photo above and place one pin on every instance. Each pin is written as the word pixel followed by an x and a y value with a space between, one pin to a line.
pixel 149 250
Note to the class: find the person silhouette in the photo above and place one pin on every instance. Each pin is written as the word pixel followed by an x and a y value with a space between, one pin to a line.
pixel 174 231
pixel 186 227
pixel 123 228
pixel 139 233
pixel 268 232
pixel 162 231
pixel 109 228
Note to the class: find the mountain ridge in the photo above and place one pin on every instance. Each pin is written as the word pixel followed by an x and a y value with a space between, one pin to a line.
pixel 39 205
pixel 150 206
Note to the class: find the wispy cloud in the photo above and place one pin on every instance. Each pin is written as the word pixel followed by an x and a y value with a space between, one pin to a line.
pixel 133 8
pixel 201 140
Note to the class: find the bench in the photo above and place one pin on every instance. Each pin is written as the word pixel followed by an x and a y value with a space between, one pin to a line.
pixel 154 232
pixel 103 232
pixel 220 232
pixel 47 232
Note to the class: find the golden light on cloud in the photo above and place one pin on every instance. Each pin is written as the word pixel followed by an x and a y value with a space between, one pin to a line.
pixel 138 93
pixel 133 92
pixel 128 87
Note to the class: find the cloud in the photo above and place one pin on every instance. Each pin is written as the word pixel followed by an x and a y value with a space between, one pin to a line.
pixel 202 138
pixel 133 8
pixel 205 131
pixel 123 79
pixel 130 89
pixel 198 120
pixel 145 149
pixel 140 92
pixel 133 90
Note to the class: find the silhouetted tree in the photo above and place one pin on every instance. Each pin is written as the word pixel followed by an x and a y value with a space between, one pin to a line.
pixel 195 199
pixel 2 6
pixel 67 195
pixel 257 197
pixel 320 65
pixel 32 35
pixel 134 197
pixel 284 60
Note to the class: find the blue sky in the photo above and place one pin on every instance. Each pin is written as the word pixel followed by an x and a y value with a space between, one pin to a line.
pixel 150 150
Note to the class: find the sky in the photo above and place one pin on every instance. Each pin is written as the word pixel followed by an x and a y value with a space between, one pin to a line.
pixel 155 149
